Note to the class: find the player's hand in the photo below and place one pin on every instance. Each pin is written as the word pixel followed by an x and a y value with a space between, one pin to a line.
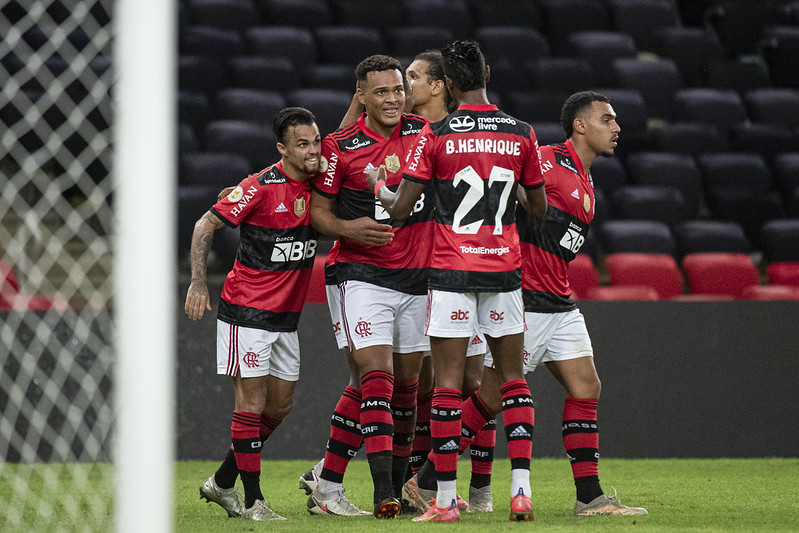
pixel 368 231
pixel 374 175
pixel 224 192
pixel 197 301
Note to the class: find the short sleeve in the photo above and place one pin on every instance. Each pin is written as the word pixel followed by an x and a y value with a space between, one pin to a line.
pixel 236 207
pixel 328 182
pixel 420 165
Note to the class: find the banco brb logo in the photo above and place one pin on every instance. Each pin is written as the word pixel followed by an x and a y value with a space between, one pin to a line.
pixel 284 252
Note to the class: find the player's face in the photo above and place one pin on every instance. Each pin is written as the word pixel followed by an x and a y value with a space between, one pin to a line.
pixel 302 150
pixel 383 96
pixel 419 83
pixel 602 130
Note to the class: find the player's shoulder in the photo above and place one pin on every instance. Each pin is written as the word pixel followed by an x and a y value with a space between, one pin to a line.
pixel 271 175
pixel 410 120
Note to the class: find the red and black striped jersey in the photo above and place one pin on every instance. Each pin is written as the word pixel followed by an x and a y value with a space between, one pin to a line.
pixel 475 159
pixel 549 245
pixel 267 286
pixel 347 155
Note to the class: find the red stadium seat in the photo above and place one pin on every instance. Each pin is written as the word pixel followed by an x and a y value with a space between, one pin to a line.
pixel 783 273
pixel 720 273
pixel 770 292
pixel 316 289
pixel 622 292
pixel 582 275
pixel 658 271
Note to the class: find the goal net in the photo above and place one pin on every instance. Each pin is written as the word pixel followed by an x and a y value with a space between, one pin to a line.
pixel 57 356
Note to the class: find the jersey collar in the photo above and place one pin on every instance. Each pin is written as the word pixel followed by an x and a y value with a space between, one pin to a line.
pixel 376 136
pixel 573 154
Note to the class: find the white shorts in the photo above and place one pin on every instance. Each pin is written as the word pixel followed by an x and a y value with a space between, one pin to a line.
pixel 254 353
pixel 477 346
pixel 375 316
pixel 334 305
pixel 553 337
pixel 456 314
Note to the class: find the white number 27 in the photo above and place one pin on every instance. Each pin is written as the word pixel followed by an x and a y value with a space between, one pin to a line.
pixel 475 194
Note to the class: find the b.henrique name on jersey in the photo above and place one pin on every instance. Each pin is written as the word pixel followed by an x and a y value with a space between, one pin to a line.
pixel 267 286
pixel 550 244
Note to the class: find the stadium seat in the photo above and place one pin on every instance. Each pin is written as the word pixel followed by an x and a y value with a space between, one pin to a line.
pixel 194 109
pixel 256 142
pixel 774 106
pixel 750 208
pixel 506 13
pixel 219 170
pixel 582 275
pixel 348 44
pixel 738 75
pixel 644 21
pixel 738 24
pixel 304 13
pixel 514 44
pixel 657 82
pixel 622 292
pixel 639 236
pixel 193 202
pixel 549 133
pixel 535 106
pixel 407 41
pixel 688 138
pixel 658 271
pixel 608 174
pixel 720 273
pixel 327 105
pixel 316 286
pixel 263 73
pixel 380 14
pixel 697 236
pixel 768 140
pixel 329 76
pixel 739 171
pixel 770 292
pixel 561 74
pixel 293 42
pixel 201 73
pixel 650 202
pixel 187 138
pixel 249 105
pixel 601 209
pixel 230 14
pixel 783 273
pixel 564 17
pixel 453 15
pixel 779 240
pixel 723 108
pixel 661 168
pixel 785 170
pixel 210 41
pixel 694 50
pixel 600 49
pixel 780 48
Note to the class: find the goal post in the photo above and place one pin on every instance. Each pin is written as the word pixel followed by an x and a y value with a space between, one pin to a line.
pixel 87 264
pixel 145 263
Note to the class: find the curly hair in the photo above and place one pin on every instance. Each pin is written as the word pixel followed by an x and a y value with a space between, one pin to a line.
pixel 465 65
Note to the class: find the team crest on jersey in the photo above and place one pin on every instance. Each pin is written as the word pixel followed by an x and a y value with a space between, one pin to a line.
pixel 392 163
pixel 236 194
pixel 299 206
pixel 586 202
pixel 322 164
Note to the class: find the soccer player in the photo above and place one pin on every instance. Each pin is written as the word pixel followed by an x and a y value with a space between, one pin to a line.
pixel 382 284
pixel 261 302
pixel 556 333
pixel 475 159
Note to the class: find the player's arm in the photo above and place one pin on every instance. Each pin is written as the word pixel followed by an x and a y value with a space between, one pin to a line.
pixel 364 229
pixel 533 200
pixel 397 204
pixel 197 299
pixel 353 112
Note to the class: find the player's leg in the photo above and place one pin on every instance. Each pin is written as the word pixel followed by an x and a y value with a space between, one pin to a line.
pixel 369 314
pixel 481 450
pixel 506 342
pixel 403 407
pixel 424 401
pixel 570 359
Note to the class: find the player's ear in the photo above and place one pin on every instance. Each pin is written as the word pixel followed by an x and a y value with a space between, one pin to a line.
pixel 487 73
pixel 438 87
pixel 359 94
pixel 579 124
pixel 282 149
